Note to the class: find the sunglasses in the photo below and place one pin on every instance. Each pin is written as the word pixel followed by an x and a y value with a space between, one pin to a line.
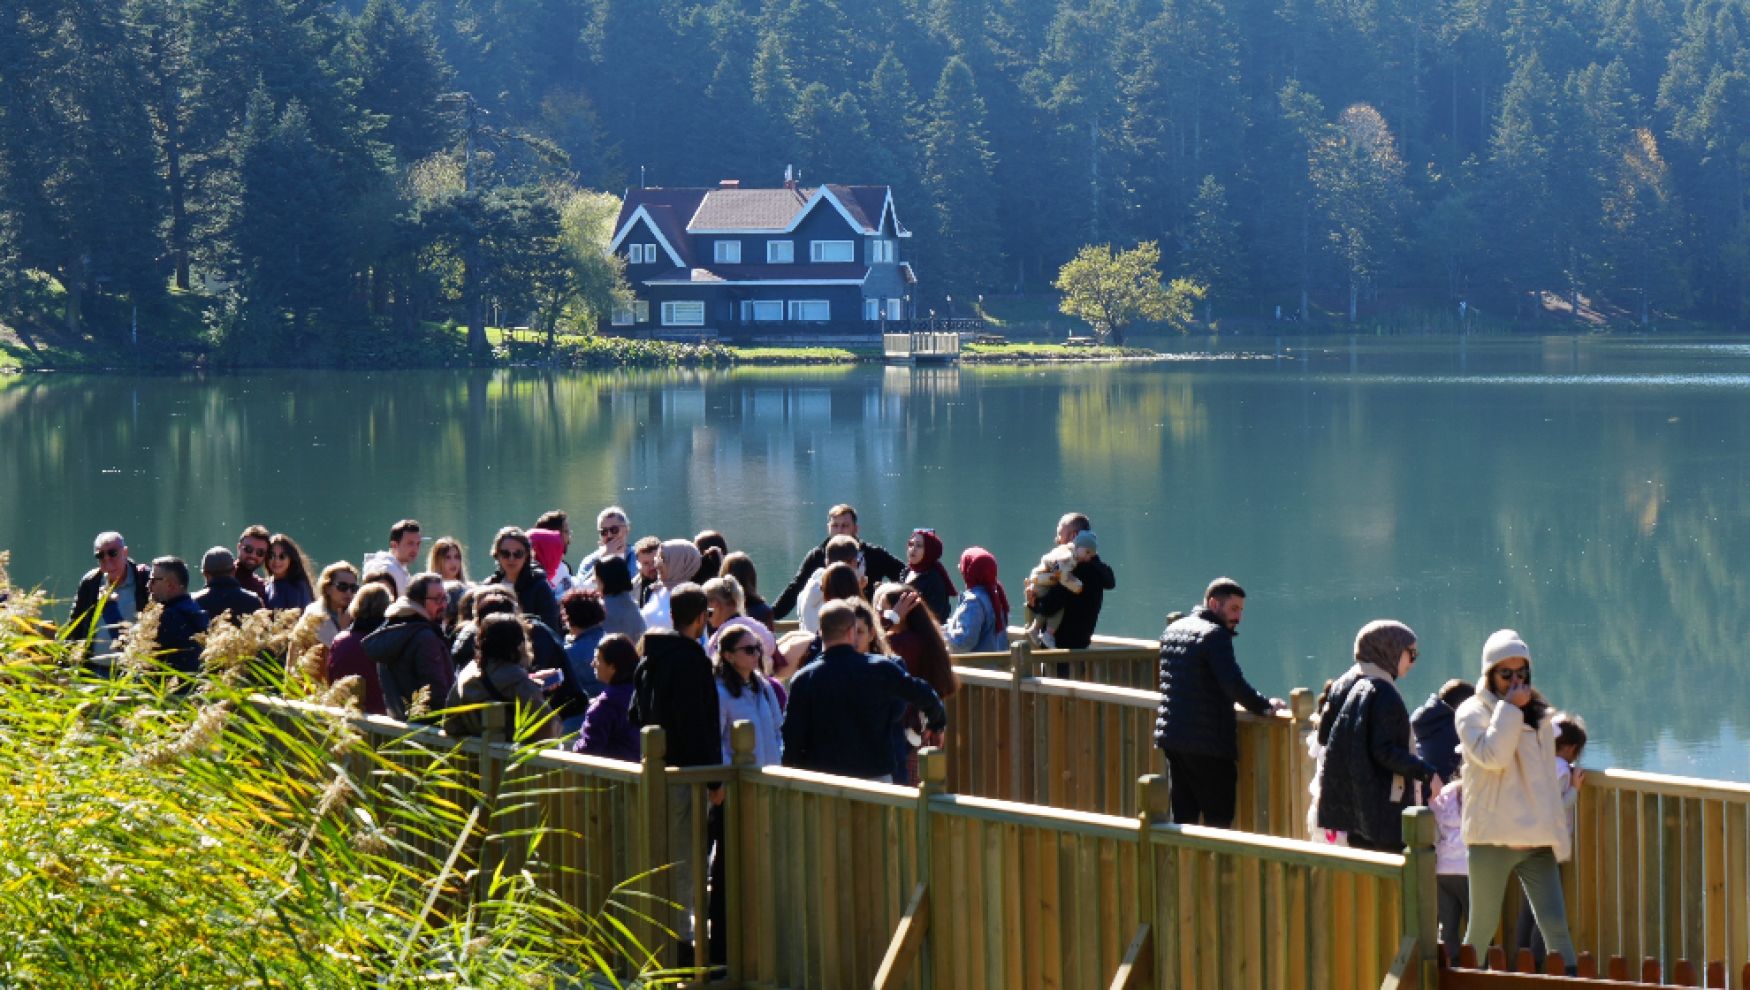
pixel 280 555
pixel 751 649
pixel 1514 674
pixel 108 553
pixel 1414 654
pixel 345 588
pixel 611 530
pixel 511 554
pixel 244 550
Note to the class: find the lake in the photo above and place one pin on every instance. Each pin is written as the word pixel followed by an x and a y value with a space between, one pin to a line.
pixel 1590 492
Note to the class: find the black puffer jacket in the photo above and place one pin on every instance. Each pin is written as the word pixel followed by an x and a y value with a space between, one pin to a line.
pixel 1437 736
pixel 673 688
pixel 533 594
pixel 1200 684
pixel 1365 730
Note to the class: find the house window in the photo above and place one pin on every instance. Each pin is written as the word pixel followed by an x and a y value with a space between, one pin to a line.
pixel 650 254
pixel 895 309
pixel 683 314
pixel 623 316
pixel 871 309
pixel 635 254
pixel 641 311
pixel 810 310
pixel 780 252
pixel 727 253
pixel 832 251
pixel 762 310
pixel 880 251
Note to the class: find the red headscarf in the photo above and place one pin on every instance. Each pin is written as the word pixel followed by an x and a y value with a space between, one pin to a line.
pixel 933 559
pixel 979 569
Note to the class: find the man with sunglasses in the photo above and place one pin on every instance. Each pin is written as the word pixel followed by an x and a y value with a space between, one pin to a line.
pixel 613 528
pixel 252 549
pixel 109 594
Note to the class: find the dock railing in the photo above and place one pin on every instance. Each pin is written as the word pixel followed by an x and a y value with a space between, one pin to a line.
pixel 833 882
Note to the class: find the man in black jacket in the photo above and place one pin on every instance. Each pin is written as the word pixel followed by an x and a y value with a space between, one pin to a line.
pixel 878 565
pixel 843 706
pixel 409 649
pixel 1081 610
pixel 1195 726
pixel 223 593
pixel 113 592
pixel 181 618
pixel 673 687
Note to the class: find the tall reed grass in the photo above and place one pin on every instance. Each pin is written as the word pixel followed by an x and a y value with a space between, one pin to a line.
pixel 159 831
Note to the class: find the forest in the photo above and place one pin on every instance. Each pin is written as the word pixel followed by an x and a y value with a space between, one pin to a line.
pixel 312 167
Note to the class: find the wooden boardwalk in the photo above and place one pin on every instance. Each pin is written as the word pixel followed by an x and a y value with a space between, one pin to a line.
pixel 1036 853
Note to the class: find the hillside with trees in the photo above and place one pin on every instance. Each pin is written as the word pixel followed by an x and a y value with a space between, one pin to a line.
pixel 313 167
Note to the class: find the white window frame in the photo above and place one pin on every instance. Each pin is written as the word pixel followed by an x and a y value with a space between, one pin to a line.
pixel 797 313
pixel 623 316
pixel 649 254
pixel 788 252
pixel 871 309
pixel 817 251
pixel 726 252
pixel 881 251
pixel 750 310
pixel 895 309
pixel 672 313
pixel 641 310
pixel 634 254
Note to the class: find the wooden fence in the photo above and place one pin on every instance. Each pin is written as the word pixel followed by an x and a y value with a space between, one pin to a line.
pixel 834 882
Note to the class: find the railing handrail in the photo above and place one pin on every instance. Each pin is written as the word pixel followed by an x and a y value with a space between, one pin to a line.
pixel 1276 849
pixel 1658 783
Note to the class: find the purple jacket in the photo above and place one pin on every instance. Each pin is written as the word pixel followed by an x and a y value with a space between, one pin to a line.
pixel 607 726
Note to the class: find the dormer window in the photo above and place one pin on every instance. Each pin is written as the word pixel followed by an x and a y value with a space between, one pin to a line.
pixel 727 252
pixel 881 251
pixel 635 254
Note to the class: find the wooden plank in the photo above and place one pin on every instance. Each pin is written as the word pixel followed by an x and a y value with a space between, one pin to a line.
pixel 1052 917
pixel 1136 969
pixel 902 949
pixel 1403 975
pixel 1713 846
pixel 1737 891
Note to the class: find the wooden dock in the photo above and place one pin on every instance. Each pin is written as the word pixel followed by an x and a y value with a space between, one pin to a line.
pixel 1036 852
pixel 921 346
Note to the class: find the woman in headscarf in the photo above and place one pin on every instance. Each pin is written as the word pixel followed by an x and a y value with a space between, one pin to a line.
pixel 677 561
pixel 980 623
pixel 1366 773
pixel 926 573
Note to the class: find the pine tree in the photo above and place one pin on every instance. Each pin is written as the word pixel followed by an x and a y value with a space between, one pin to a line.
pixel 1359 180
pixel 401 78
pixel 964 239
pixel 1211 253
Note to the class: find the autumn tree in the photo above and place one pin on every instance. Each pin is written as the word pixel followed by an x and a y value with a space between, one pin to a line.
pixel 1113 290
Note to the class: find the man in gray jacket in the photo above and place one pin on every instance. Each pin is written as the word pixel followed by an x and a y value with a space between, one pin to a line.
pixel 1195 725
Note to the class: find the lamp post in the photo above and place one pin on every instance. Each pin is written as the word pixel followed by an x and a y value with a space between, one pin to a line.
pixel 950 307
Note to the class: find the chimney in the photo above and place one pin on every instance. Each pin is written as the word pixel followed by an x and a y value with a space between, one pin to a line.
pixel 790 177
pixel 729 183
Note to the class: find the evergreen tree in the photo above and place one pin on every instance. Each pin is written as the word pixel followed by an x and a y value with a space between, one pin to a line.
pixel 1211 254
pixel 964 236
pixel 401 78
pixel 1360 187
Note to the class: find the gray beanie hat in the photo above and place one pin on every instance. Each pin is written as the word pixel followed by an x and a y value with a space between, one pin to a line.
pixel 1502 644
pixel 1086 540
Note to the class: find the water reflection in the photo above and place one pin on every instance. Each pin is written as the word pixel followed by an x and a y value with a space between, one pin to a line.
pixel 1591 494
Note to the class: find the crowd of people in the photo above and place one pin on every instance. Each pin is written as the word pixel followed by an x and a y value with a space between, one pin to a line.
pixel 675 633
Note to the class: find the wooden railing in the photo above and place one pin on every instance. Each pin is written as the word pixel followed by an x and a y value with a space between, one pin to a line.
pixel 1071 744
pixel 841 883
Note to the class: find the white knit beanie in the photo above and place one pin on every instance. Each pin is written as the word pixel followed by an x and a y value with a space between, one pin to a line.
pixel 1503 644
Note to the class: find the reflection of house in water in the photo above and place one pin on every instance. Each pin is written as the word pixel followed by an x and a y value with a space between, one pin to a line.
pixel 921 380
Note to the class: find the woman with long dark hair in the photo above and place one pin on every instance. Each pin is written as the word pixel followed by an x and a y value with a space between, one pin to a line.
pixel 288 575
pixel 517 569
pixel 914 636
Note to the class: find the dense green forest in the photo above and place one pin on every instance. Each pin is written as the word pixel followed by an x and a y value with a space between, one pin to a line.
pixel 341 165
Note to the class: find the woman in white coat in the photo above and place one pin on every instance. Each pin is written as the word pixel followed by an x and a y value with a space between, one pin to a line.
pixel 1513 820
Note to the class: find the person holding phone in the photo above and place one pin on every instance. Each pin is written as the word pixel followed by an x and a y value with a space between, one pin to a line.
pixel 1513 821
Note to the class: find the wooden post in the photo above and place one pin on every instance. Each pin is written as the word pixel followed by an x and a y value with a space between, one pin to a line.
pixel 1300 705
pixel 653 801
pixel 1021 669
pixel 494 731
pixel 1154 806
pixel 932 780
pixel 736 829
pixel 1421 891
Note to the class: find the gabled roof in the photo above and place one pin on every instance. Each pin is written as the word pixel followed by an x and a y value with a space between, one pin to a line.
pixel 747 209
pixel 667 211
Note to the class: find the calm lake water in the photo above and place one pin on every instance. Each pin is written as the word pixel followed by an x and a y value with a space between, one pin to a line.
pixel 1591 493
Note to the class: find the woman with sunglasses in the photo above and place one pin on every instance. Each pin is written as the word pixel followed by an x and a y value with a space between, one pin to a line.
pixel 1512 820
pixel 514 555
pixel 334 593
pixel 288 575
pixel 738 650
pixel 1365 774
